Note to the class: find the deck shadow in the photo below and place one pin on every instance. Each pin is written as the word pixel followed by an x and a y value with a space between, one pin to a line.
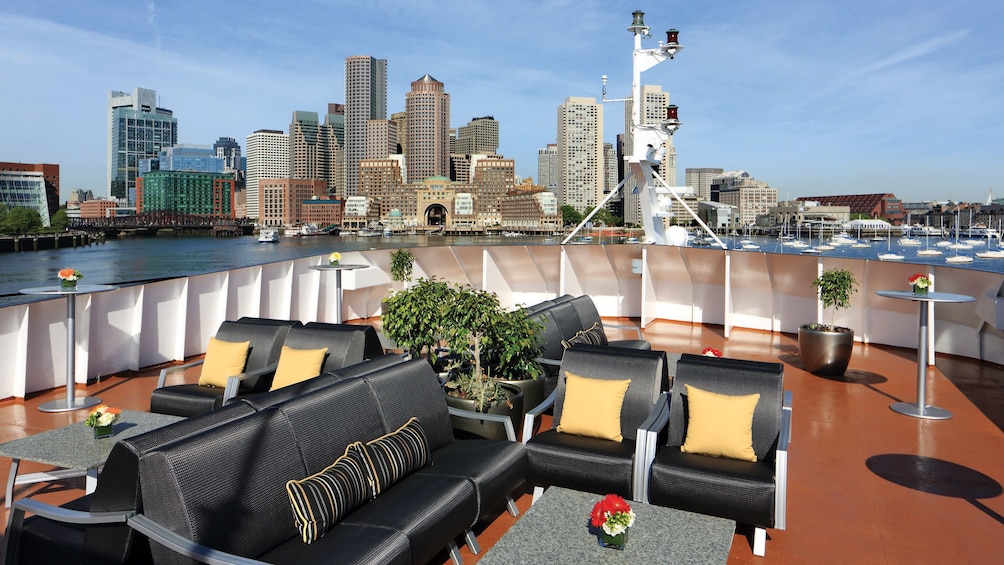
pixel 937 476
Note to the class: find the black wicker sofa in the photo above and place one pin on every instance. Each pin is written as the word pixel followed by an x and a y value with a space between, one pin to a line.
pixel 219 494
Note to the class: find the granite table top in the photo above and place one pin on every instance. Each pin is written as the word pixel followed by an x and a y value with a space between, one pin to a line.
pixel 556 530
pixel 74 446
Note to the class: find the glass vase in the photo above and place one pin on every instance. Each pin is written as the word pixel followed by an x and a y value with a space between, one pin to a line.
pixel 68 285
pixel 333 263
pixel 920 291
pixel 102 431
pixel 613 542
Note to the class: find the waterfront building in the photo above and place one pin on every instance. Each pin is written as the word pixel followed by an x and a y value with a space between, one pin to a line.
pixel 791 214
pixel 229 150
pixel 534 210
pixel 321 212
pixel 268 158
pixel 25 189
pixel 186 192
pixel 365 100
pixel 479 136
pixel 700 179
pixel 99 209
pixel 580 153
pixel 653 111
pixel 435 196
pixel 491 179
pixel 360 212
pixel 282 199
pixel 137 129
pixel 885 206
pixel 547 167
pixel 382 180
pixel 751 197
pixel 460 168
pixel 427 106
pixel 50 174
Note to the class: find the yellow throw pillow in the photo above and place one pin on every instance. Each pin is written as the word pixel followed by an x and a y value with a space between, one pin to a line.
pixel 720 425
pixel 223 359
pixel 297 365
pixel 592 407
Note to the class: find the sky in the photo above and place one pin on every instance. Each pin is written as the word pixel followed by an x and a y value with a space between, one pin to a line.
pixel 815 97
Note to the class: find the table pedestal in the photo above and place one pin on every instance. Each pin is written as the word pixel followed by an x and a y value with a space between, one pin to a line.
pixel 921 409
pixel 71 402
pixel 338 283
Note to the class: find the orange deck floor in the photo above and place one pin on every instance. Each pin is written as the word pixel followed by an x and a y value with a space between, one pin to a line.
pixel 866 485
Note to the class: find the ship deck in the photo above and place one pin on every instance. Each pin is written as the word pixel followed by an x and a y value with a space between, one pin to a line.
pixel 866 484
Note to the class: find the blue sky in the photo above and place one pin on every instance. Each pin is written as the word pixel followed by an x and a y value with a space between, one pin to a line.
pixel 816 97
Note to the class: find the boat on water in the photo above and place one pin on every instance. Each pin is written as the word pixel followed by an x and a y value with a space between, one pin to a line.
pixel 909 241
pixel 891 256
pixel 958 259
pixel 268 236
pixel 992 254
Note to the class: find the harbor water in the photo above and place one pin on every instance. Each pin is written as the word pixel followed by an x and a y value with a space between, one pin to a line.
pixel 137 260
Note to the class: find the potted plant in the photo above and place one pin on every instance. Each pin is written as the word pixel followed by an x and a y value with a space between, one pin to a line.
pixel 512 350
pixel 401 264
pixel 826 349
pixel 414 318
pixel 474 334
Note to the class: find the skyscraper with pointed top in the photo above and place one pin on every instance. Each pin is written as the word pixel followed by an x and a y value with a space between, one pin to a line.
pixel 427 152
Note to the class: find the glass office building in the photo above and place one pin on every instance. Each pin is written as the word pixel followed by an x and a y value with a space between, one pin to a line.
pixel 137 129
pixel 24 189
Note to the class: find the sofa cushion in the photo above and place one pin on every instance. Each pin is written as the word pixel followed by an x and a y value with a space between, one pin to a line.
pixel 592 407
pixel 320 501
pixel 590 336
pixel 720 425
pixel 396 455
pixel 346 544
pixel 296 365
pixel 223 359
pixel 411 390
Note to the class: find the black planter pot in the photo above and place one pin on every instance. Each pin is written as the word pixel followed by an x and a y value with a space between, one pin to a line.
pixel 533 391
pixel 485 428
pixel 825 353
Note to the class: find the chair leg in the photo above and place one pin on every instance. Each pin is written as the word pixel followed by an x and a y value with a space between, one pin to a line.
pixel 759 541
pixel 472 541
pixel 455 554
pixel 510 505
pixel 537 491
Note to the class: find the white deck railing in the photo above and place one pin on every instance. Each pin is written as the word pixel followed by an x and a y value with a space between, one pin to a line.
pixel 144 325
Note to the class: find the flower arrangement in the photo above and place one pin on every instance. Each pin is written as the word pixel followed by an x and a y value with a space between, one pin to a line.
pixel 920 283
pixel 711 352
pixel 102 416
pixel 612 514
pixel 69 276
pixel 334 258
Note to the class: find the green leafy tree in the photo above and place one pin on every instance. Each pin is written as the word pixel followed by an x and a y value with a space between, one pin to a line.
pixel 59 221
pixel 570 216
pixel 414 317
pixel 20 221
pixel 401 263
pixel 835 289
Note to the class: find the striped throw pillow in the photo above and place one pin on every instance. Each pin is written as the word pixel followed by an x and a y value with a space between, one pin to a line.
pixel 591 336
pixel 396 455
pixel 322 500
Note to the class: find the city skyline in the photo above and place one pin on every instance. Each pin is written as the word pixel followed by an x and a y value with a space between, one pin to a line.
pixel 814 98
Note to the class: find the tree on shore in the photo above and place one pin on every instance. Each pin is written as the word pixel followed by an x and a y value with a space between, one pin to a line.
pixel 21 221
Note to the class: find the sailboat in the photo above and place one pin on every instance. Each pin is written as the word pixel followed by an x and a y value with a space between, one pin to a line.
pixel 889 255
pixel 927 251
pixel 957 259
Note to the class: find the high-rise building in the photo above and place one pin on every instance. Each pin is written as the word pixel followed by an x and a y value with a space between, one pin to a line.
pixel 401 120
pixel 428 114
pixel 491 179
pixel 580 153
pixel 268 158
pixel 283 199
pixel 751 197
pixel 700 179
pixel 229 150
pixel 547 167
pixel 381 139
pixel 609 168
pixel 480 136
pixel 653 111
pixel 50 173
pixel 303 145
pixel 365 100
pixel 137 129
